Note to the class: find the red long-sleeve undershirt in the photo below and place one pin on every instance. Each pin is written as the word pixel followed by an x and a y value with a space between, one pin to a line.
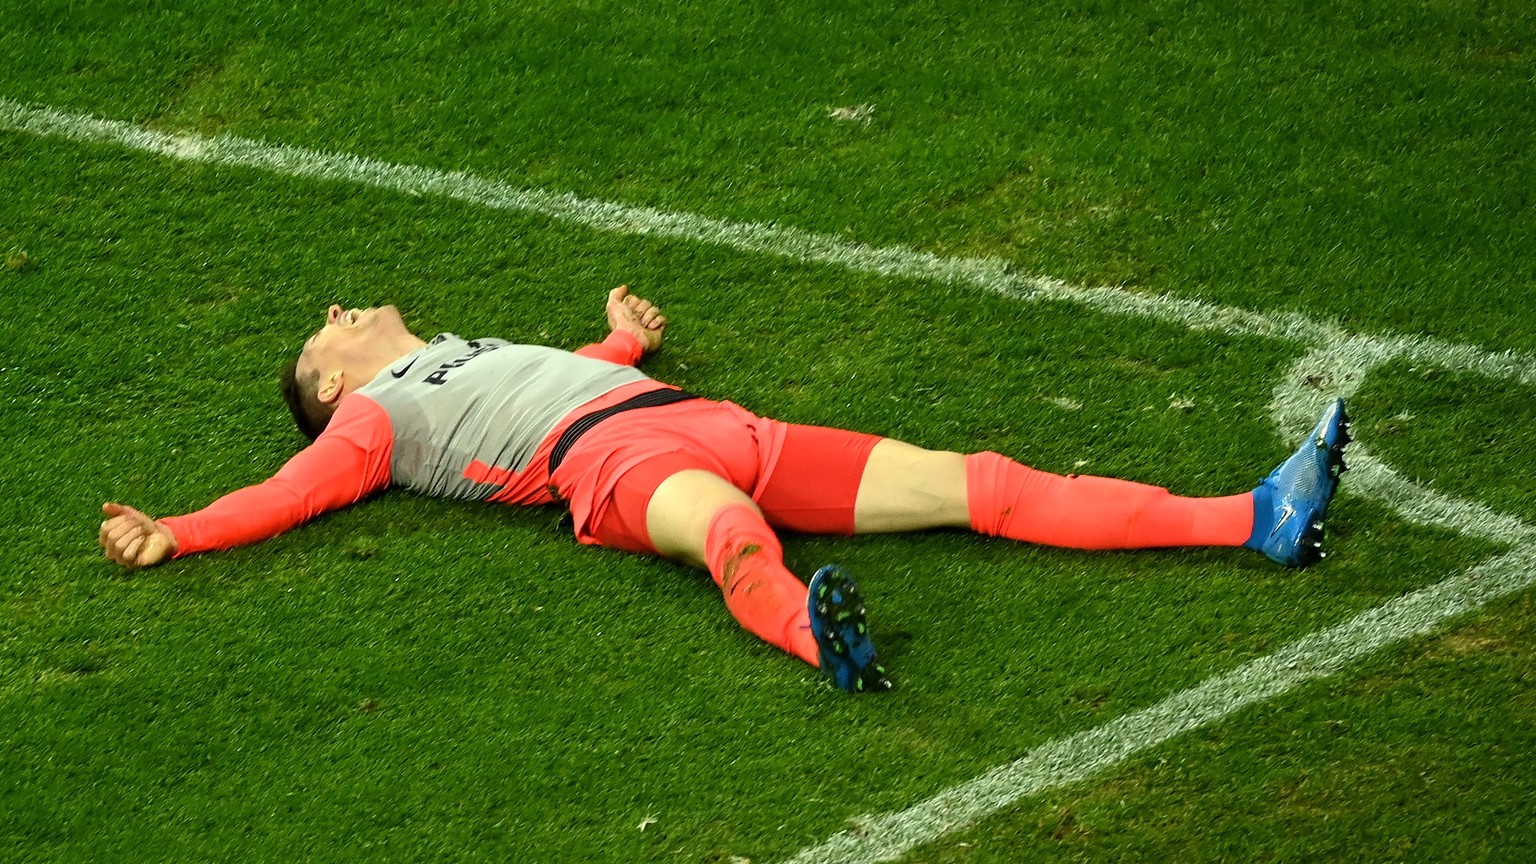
pixel 347 463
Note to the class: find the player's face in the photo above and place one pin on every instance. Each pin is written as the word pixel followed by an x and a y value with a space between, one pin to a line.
pixel 348 337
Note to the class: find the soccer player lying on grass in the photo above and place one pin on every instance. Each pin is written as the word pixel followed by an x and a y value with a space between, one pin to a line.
pixel 646 467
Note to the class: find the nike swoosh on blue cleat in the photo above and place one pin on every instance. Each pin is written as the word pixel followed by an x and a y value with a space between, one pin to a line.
pixel 1298 492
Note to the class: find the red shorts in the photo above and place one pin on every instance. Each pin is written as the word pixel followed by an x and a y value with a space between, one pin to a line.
pixel 805 478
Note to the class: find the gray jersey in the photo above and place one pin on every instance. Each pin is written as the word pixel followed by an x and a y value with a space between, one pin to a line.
pixel 456 402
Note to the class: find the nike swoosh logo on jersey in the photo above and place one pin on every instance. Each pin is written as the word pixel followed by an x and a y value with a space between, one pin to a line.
pixel 401 373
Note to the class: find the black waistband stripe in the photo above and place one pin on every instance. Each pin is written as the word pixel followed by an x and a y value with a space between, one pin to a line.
pixel 585 423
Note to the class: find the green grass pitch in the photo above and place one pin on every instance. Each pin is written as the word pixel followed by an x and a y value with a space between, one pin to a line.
pixel 423 680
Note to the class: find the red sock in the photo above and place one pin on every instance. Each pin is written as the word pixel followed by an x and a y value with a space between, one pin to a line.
pixel 1011 500
pixel 747 562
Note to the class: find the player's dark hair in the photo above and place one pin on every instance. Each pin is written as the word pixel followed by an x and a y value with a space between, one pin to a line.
pixel 309 413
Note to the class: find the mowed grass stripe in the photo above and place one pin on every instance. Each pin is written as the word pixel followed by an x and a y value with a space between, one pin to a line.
pixel 1077 757
pixel 989 274
pixel 1344 358
pixel 1414 614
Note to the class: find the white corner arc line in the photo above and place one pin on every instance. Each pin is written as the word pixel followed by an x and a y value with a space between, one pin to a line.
pixel 1339 369
pixel 1332 350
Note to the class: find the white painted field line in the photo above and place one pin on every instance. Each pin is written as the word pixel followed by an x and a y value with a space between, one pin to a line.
pixel 1070 759
pixel 1340 369
pixel 1336 362
pixel 988 274
pixel 1344 358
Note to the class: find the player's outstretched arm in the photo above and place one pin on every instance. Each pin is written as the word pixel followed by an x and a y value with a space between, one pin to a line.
pixel 636 316
pixel 347 463
pixel 132 539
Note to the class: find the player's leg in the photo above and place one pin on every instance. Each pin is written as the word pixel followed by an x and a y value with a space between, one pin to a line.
pixel 685 499
pixel 1008 499
pixel 700 518
pixel 672 507
pixel 901 487
pixel 905 487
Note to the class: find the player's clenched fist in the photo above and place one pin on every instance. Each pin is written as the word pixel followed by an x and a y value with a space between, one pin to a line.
pixel 637 316
pixel 132 539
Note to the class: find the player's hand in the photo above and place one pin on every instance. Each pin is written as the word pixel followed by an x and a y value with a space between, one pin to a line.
pixel 134 540
pixel 636 316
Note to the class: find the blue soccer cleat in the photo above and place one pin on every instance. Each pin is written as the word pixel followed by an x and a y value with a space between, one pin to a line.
pixel 837 621
pixel 1292 500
